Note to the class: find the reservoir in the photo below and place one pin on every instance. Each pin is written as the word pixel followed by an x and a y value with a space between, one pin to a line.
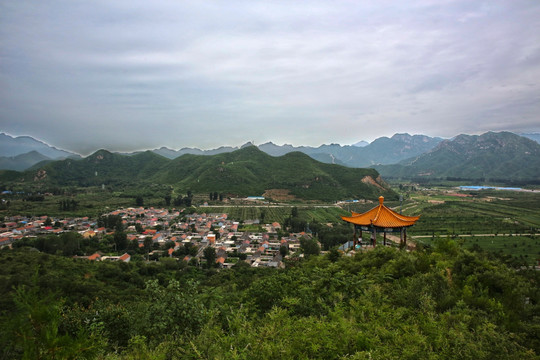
pixel 490 188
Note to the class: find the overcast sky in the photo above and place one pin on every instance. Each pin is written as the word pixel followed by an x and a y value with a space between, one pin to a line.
pixel 126 75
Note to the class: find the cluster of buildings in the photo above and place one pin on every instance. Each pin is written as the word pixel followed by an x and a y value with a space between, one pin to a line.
pixel 17 227
pixel 172 230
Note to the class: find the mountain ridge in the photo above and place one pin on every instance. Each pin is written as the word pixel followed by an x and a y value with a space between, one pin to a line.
pixel 347 155
pixel 382 151
pixel 12 146
pixel 495 156
pixel 244 172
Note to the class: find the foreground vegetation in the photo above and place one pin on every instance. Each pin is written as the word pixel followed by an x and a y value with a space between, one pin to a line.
pixel 441 303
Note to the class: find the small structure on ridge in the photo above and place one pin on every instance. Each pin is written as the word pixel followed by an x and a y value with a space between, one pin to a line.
pixel 380 218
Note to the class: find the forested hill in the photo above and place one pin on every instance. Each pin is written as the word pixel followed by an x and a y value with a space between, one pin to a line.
pixel 491 156
pixel 244 172
pixel 443 303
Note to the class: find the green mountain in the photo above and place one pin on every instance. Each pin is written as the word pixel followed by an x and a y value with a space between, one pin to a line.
pixel 21 162
pixel 244 172
pixel 491 156
pixel 102 167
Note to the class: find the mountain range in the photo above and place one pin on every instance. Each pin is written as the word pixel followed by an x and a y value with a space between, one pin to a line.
pixel 17 153
pixel 492 156
pixel 244 172
pixel 13 146
pixel 22 152
pixel 402 155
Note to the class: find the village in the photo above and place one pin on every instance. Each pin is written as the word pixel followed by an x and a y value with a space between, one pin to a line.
pixel 169 233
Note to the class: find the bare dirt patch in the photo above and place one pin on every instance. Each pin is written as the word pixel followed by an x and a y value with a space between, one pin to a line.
pixel 370 181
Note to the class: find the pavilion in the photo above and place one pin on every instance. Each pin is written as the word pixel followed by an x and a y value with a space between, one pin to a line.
pixel 380 218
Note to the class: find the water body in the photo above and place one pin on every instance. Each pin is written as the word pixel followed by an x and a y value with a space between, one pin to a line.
pixel 490 188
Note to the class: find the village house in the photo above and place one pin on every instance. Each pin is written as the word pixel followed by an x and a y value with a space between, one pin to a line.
pixel 200 230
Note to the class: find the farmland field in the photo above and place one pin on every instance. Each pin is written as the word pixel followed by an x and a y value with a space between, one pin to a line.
pixel 510 218
pixel 523 248
pixel 503 222
pixel 328 214
pixel 446 212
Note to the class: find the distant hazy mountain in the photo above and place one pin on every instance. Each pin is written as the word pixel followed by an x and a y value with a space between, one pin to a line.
pixel 247 171
pixel 381 151
pixel 362 154
pixel 21 162
pixel 392 150
pixel 361 143
pixel 173 154
pixel 21 152
pixel 13 146
pixel 534 136
pixel 495 156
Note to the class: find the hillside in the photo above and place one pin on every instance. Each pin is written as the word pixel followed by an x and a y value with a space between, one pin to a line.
pixel 493 156
pixel 244 172
pixel 445 303
pixel 249 171
pixel 22 162
pixel 102 167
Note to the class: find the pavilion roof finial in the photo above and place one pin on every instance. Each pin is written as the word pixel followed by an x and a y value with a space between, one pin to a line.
pixel 381 200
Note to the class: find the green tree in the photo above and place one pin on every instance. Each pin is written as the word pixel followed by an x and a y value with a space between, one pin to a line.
pixel 120 241
pixel 148 242
pixel 37 334
pixel 210 256
pixel 334 255
pixel 177 309
pixel 71 243
pixel 309 246
pixel 284 250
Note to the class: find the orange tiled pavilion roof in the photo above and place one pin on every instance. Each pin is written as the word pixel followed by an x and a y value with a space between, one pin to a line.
pixel 381 216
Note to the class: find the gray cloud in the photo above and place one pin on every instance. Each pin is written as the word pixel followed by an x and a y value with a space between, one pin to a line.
pixel 128 75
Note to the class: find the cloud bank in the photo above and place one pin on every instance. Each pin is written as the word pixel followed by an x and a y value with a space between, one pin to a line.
pixel 129 75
